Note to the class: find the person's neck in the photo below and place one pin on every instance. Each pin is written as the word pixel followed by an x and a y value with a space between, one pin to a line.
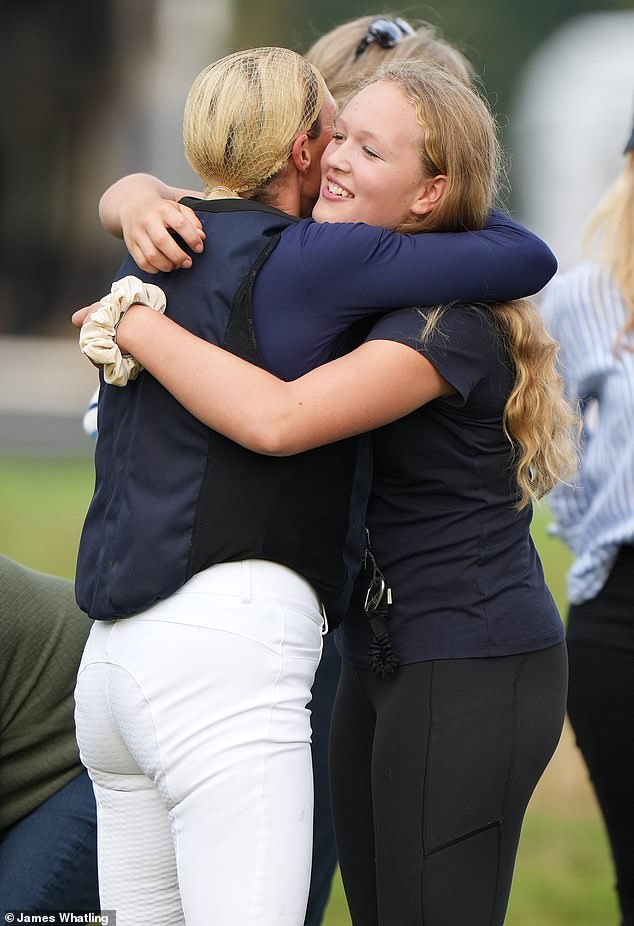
pixel 287 200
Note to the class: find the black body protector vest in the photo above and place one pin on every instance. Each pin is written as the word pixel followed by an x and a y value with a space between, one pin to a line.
pixel 173 497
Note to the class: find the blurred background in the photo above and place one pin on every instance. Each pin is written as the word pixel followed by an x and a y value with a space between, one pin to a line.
pixel 94 89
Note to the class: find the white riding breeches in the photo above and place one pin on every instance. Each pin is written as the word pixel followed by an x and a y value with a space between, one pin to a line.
pixel 192 722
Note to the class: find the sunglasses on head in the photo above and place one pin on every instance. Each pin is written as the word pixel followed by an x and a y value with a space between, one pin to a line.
pixel 385 32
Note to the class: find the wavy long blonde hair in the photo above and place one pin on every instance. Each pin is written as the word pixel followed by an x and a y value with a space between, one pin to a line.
pixel 459 139
pixel 609 238
pixel 539 422
pixel 541 426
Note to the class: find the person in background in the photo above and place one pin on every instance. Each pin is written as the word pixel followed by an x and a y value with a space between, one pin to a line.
pixel 344 54
pixel 590 310
pixel 357 48
pixel 48 820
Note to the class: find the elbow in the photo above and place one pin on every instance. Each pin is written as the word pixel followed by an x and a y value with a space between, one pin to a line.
pixel 270 438
pixel 537 269
pixel 550 266
pixel 543 268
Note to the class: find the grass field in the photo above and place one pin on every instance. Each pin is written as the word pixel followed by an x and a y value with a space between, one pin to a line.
pixel 563 875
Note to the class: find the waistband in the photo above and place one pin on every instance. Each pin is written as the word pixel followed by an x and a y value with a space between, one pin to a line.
pixel 253 579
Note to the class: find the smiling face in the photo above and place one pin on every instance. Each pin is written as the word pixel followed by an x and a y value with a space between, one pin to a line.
pixel 371 170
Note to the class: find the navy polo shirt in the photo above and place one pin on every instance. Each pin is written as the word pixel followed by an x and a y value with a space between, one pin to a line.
pixel 466 579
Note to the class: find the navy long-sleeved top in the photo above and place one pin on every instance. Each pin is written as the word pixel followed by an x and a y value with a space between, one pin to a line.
pixel 322 278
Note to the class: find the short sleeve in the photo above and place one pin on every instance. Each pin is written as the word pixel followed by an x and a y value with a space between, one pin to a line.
pixel 461 347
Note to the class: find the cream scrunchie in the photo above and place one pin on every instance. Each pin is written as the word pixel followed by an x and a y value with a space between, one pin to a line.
pixel 97 335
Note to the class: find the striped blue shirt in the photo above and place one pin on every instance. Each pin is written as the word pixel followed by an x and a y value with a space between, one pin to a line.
pixel 585 313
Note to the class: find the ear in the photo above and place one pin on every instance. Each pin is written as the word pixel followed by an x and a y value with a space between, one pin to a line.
pixel 300 154
pixel 429 195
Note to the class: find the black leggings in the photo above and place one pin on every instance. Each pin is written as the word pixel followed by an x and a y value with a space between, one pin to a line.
pixel 601 709
pixel 432 769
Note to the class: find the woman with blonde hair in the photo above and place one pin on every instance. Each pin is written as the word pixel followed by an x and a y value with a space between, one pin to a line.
pixel 590 310
pixel 191 712
pixel 441 733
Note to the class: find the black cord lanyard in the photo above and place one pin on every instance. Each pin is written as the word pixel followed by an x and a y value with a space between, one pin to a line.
pixel 383 657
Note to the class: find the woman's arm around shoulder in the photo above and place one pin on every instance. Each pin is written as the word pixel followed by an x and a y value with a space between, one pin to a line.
pixel 377 269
